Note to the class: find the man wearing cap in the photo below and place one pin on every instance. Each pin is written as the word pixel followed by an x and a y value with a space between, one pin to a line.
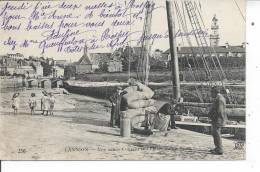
pixel 115 99
pixel 218 118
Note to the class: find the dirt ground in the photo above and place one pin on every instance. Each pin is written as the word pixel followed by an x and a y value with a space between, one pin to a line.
pixel 79 131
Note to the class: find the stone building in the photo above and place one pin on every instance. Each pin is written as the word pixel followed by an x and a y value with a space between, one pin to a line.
pixel 57 72
pixel 229 56
pixel 84 64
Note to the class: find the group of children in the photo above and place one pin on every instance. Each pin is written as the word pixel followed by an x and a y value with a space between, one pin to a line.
pixel 47 103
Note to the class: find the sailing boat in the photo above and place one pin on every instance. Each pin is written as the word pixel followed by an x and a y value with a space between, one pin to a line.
pixel 104 88
pixel 233 110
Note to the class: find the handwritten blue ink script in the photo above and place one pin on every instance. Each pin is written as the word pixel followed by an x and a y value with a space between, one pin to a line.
pixel 67 26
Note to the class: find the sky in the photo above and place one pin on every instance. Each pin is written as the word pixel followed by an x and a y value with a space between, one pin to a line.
pixel 231 23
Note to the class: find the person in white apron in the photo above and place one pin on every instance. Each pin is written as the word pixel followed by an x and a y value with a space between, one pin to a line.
pixel 15 102
pixel 45 103
pixel 51 102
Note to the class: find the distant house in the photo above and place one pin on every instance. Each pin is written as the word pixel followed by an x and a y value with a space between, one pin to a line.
pixel 98 59
pixel 159 60
pixel 84 64
pixel 114 66
pixel 61 63
pixel 16 56
pixel 58 72
pixel 39 59
pixel 134 53
pixel 7 65
pixel 46 83
pixel 159 63
pixel 115 62
pixel 27 71
pixel 37 67
pixel 69 71
pixel 221 51
pixel 106 62
pixel 157 54
pixel 57 83
pixel 11 64
pixel 50 61
pixel 7 70
pixel 11 70
pixel 39 70
pixel 229 56
pixel 8 61
pixel 130 55
pixel 3 70
pixel 32 83
pixel 22 62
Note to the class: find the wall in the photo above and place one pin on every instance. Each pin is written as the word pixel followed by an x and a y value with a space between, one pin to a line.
pixel 83 69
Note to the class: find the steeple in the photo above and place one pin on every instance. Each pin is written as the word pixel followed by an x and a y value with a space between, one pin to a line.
pixel 85 58
pixel 85 50
pixel 214 37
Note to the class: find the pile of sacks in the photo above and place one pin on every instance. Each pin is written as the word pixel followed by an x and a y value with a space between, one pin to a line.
pixel 138 101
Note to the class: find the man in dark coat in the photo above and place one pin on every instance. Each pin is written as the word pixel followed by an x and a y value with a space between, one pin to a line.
pixel 115 99
pixel 218 118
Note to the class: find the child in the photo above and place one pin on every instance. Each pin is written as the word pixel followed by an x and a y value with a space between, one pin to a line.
pixel 32 103
pixel 45 103
pixel 51 101
pixel 15 102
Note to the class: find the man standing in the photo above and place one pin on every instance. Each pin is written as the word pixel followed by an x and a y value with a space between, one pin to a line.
pixel 115 99
pixel 218 118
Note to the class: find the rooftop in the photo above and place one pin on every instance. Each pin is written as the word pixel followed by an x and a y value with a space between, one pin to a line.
pixel 219 49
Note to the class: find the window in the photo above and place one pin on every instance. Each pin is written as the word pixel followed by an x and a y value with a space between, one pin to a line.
pixel 230 54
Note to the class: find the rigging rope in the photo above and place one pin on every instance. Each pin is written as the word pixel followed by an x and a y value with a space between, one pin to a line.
pixel 179 19
pixel 213 52
pixel 194 21
pixel 196 27
pixel 185 29
pixel 241 13
pixel 185 25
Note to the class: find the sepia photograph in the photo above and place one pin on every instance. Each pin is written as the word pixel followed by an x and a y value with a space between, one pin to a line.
pixel 123 80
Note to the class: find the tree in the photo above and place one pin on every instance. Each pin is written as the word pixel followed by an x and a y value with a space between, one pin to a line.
pixel 70 71
pixel 103 66
pixel 47 69
pixel 128 55
pixel 157 64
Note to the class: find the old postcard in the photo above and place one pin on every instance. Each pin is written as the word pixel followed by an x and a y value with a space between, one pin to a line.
pixel 122 80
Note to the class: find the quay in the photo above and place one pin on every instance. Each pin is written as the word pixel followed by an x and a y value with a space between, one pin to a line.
pixel 79 130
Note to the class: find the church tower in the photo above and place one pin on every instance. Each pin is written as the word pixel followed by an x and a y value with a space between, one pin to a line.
pixel 214 36
pixel 85 50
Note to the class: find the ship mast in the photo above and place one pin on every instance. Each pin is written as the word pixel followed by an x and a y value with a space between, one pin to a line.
pixel 173 51
pixel 143 63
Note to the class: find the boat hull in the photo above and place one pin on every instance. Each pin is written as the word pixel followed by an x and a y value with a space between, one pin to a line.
pixel 105 90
